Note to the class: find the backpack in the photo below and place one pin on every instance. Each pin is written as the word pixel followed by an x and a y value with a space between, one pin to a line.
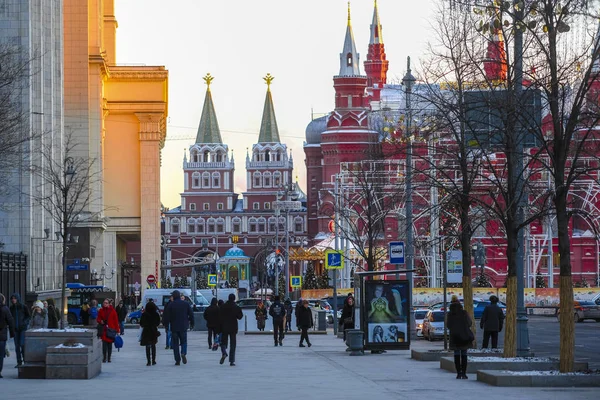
pixel 277 310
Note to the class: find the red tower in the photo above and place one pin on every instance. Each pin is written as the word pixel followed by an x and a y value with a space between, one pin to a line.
pixel 495 65
pixel 376 65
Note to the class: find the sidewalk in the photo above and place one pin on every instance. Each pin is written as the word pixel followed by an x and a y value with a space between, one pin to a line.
pixel 265 372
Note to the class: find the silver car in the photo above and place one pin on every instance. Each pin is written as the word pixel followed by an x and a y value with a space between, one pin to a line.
pixel 433 325
pixel 419 317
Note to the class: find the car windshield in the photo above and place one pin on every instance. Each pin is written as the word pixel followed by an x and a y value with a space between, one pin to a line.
pixel 437 316
pixel 420 314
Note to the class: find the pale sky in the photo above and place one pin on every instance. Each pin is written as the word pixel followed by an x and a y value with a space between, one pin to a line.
pixel 239 42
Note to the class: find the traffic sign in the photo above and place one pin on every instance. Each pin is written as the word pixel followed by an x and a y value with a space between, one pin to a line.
pixel 137 293
pixel 137 286
pixel 454 266
pixel 296 281
pixel 151 279
pixel 396 252
pixel 334 259
pixel 212 280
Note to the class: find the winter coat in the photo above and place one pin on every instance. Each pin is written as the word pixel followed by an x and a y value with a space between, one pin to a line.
pixel 53 315
pixel 121 312
pixel 108 314
pixel 229 314
pixel 211 315
pixel 492 318
pixel 347 312
pixel 260 313
pixel 178 316
pixel 39 319
pixel 84 313
pixel 298 307
pixel 289 309
pixel 277 311
pixel 305 319
pixel 459 324
pixel 20 313
pixel 149 323
pixel 6 321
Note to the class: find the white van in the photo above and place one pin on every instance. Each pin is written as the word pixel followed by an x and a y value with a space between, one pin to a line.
pixel 161 297
pixel 222 294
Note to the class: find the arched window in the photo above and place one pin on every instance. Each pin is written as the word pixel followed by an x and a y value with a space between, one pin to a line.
pixel 219 156
pixel 175 225
pixel 210 225
pixel 257 179
pixel 267 155
pixel 236 225
pixel 200 225
pixel 272 227
pixel 191 225
pixel 281 224
pixel 278 155
pixel 196 180
pixel 267 179
pixel 206 179
pixel 262 224
pixel 220 225
pixel 206 157
pixel 255 156
pixel 276 179
pixel 194 156
pixel 252 225
pixel 349 59
pixel 216 180
pixel 298 224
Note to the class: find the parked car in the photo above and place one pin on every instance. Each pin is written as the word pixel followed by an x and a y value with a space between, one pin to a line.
pixel 440 305
pixel 478 308
pixel 135 316
pixel 584 310
pixel 251 303
pixel 419 317
pixel 433 325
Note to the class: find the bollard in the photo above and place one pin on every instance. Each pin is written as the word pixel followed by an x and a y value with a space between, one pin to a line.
pixel 245 323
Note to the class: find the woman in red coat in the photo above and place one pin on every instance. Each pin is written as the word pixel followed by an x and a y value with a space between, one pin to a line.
pixel 107 318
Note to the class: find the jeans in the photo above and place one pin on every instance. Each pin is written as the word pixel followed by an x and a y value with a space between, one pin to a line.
pixel 168 335
pixel 122 327
pixel 212 335
pixel 486 339
pixel 20 346
pixel 2 354
pixel 233 344
pixel 177 338
pixel 278 330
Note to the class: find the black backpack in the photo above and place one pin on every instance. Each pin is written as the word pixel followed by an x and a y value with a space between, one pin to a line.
pixel 277 310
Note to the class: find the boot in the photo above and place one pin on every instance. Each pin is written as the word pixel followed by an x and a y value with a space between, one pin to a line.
pixel 463 361
pixel 148 356
pixel 458 367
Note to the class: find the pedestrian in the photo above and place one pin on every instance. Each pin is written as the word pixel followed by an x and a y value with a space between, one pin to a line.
pixel 53 315
pixel 84 313
pixel 297 310
pixel 287 304
pixel 121 314
pixel 211 315
pixel 491 322
pixel 179 316
pixel 7 325
pixel 166 325
pixel 260 312
pixel 229 314
pixel 277 312
pixel 461 337
pixel 149 324
pixel 108 328
pixel 21 316
pixel 39 317
pixel 306 322
pixel 347 317
pixel 94 313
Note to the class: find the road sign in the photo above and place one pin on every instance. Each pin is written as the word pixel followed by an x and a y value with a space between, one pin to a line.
pixel 454 266
pixel 137 286
pixel 296 281
pixel 151 279
pixel 334 259
pixel 212 280
pixel 136 293
pixel 396 252
pixel 77 267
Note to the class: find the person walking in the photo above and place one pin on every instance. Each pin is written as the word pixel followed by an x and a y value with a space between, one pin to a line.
pixel 7 327
pixel 94 313
pixel 347 317
pixel 108 328
pixel 167 329
pixel 305 322
pixel 178 316
pixel 121 314
pixel 21 317
pixel 289 309
pixel 39 317
pixel 84 313
pixel 261 316
pixel 297 310
pixel 149 324
pixel 459 324
pixel 53 315
pixel 229 314
pixel 491 322
pixel 211 315
pixel 277 312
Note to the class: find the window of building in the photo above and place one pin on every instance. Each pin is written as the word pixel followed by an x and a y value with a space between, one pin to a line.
pixel 267 205
pixel 281 224
pixel 277 179
pixel 175 225
pixel 236 225
pixel 219 206
pixel 252 225
pixel 298 224
pixel 206 206
pixel 257 179
pixel 262 224
pixel 206 156
pixel 196 180
pixel 220 225
pixel 191 225
pixel 272 226
pixel 256 206
pixel 194 156
pixel 192 206
pixel 206 180
pixel 219 157
pixel 216 179
pixel 211 225
pixel 200 223
pixel 267 179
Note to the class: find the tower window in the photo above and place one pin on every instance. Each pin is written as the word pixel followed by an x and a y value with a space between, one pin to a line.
pixel 349 59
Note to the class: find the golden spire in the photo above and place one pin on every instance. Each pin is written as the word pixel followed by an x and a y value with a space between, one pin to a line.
pixel 268 79
pixel 349 23
pixel 208 80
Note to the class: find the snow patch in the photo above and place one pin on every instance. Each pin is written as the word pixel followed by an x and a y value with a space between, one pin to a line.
pixel 512 359
pixel 551 373
pixel 73 346
pixel 60 330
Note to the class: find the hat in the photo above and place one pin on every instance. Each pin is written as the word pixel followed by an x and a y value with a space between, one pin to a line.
pixel 38 304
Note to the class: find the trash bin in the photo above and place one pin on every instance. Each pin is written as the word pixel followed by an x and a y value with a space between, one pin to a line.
pixel 354 341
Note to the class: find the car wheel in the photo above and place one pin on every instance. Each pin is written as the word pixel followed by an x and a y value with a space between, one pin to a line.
pixel 134 320
pixel 578 318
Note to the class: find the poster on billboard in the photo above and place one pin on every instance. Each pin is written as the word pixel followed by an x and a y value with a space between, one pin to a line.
pixel 454 266
pixel 386 314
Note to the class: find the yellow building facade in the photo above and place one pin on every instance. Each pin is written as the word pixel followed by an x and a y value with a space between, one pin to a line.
pixel 117 114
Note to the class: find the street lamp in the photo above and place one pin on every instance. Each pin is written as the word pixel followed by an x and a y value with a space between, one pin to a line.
pixel 68 176
pixel 103 275
pixel 290 192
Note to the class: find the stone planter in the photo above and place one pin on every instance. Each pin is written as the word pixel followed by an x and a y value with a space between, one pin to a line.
pixel 354 341
pixel 436 355
pixel 510 364
pixel 72 362
pixel 538 379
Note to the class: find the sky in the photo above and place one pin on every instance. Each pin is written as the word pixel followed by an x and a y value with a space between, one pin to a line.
pixel 239 42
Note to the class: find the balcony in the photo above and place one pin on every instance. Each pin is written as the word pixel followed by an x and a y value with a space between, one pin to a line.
pixel 207 165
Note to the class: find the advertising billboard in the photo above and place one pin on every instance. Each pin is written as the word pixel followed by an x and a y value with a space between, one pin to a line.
pixel 386 318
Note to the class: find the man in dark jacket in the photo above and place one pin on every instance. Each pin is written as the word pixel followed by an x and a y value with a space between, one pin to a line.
pixel 288 314
pixel 229 314
pixel 297 311
pixel 6 321
pixel 277 312
pixel 121 314
pixel 491 322
pixel 211 315
pixel 21 316
pixel 178 316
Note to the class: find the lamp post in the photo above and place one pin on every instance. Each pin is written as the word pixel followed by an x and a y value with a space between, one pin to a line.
pixel 95 276
pixel 288 191
pixel 68 175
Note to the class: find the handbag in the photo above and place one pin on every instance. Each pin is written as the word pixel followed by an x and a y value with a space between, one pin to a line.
pixel 111 333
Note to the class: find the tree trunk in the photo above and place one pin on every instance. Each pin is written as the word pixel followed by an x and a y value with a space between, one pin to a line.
pixel 510 330
pixel 567 324
pixel 468 301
